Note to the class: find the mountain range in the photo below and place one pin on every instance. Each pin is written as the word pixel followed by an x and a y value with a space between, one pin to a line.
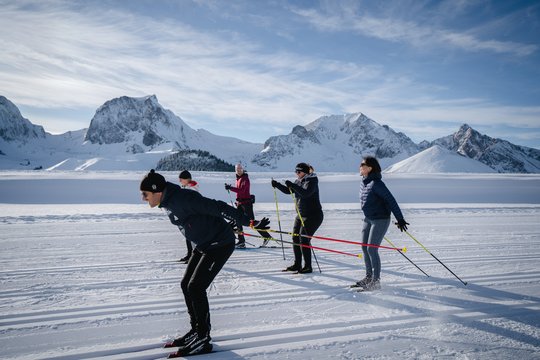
pixel 129 133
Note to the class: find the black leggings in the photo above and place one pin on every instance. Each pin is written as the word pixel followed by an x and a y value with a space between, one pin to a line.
pixel 189 248
pixel 200 272
pixel 311 224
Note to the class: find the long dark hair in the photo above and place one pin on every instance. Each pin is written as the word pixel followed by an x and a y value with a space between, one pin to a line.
pixel 373 163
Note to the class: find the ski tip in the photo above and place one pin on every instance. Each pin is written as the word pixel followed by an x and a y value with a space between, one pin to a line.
pixel 182 352
pixel 404 249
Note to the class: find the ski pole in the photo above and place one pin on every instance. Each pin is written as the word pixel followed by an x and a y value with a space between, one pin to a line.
pixel 230 198
pixel 304 245
pixel 405 256
pixel 446 267
pixel 304 227
pixel 404 249
pixel 279 222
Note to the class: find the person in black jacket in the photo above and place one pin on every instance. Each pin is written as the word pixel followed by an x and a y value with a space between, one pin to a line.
pixel 377 202
pixel 213 238
pixel 306 191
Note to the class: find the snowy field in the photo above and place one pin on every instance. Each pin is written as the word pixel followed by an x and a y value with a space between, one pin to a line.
pixel 89 272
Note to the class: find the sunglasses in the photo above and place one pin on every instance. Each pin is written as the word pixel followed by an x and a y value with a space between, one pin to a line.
pixel 144 195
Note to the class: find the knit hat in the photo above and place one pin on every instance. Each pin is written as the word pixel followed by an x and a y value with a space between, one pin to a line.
pixel 185 175
pixel 153 182
pixel 303 167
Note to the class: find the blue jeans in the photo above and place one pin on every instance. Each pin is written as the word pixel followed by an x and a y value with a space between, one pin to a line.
pixel 373 233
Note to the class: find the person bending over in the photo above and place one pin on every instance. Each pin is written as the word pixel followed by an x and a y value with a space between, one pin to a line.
pixel 205 226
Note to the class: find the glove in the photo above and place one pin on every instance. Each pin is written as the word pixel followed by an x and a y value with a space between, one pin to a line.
pixel 261 224
pixel 288 183
pixel 402 225
pixel 274 183
pixel 228 186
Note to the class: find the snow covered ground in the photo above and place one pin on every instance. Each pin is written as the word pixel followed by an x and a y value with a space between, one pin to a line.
pixel 88 271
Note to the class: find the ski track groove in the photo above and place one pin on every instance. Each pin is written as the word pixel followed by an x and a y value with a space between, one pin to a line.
pixel 327 332
pixel 231 301
pixel 413 300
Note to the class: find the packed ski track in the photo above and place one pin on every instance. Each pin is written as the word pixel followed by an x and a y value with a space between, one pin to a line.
pixel 95 281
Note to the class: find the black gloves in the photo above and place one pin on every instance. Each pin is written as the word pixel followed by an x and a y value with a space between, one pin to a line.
pixel 261 224
pixel 288 183
pixel 228 186
pixel 402 225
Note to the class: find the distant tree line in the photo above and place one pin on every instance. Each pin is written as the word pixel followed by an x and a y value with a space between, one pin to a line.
pixel 196 160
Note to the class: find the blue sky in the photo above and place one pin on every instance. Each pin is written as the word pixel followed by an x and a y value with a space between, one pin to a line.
pixel 253 69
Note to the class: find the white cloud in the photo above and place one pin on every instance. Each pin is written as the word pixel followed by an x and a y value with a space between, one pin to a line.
pixel 429 119
pixel 397 30
pixel 57 57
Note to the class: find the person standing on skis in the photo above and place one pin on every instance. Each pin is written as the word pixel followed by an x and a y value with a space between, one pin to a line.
pixel 377 202
pixel 306 191
pixel 186 182
pixel 244 202
pixel 205 226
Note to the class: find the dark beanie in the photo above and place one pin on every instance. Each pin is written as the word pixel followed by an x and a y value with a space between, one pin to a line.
pixel 185 175
pixel 303 167
pixel 153 182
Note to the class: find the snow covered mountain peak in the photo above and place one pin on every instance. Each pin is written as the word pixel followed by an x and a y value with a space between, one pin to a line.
pixel 498 154
pixel 138 132
pixel 470 141
pixel 335 122
pixel 13 126
pixel 335 143
pixel 7 107
pixel 133 121
pixel 135 133
pixel 438 159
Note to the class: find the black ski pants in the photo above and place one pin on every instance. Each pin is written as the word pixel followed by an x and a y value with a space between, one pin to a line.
pixel 248 210
pixel 189 247
pixel 201 270
pixel 311 224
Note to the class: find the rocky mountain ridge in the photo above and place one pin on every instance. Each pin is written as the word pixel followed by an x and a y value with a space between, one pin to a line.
pixel 135 133
pixel 336 140
pixel 498 154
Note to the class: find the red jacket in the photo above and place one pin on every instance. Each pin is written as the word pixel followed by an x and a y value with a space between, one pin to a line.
pixel 242 189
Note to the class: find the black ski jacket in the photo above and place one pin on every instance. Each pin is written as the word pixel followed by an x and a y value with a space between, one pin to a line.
pixel 202 218
pixel 306 192
pixel 376 200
